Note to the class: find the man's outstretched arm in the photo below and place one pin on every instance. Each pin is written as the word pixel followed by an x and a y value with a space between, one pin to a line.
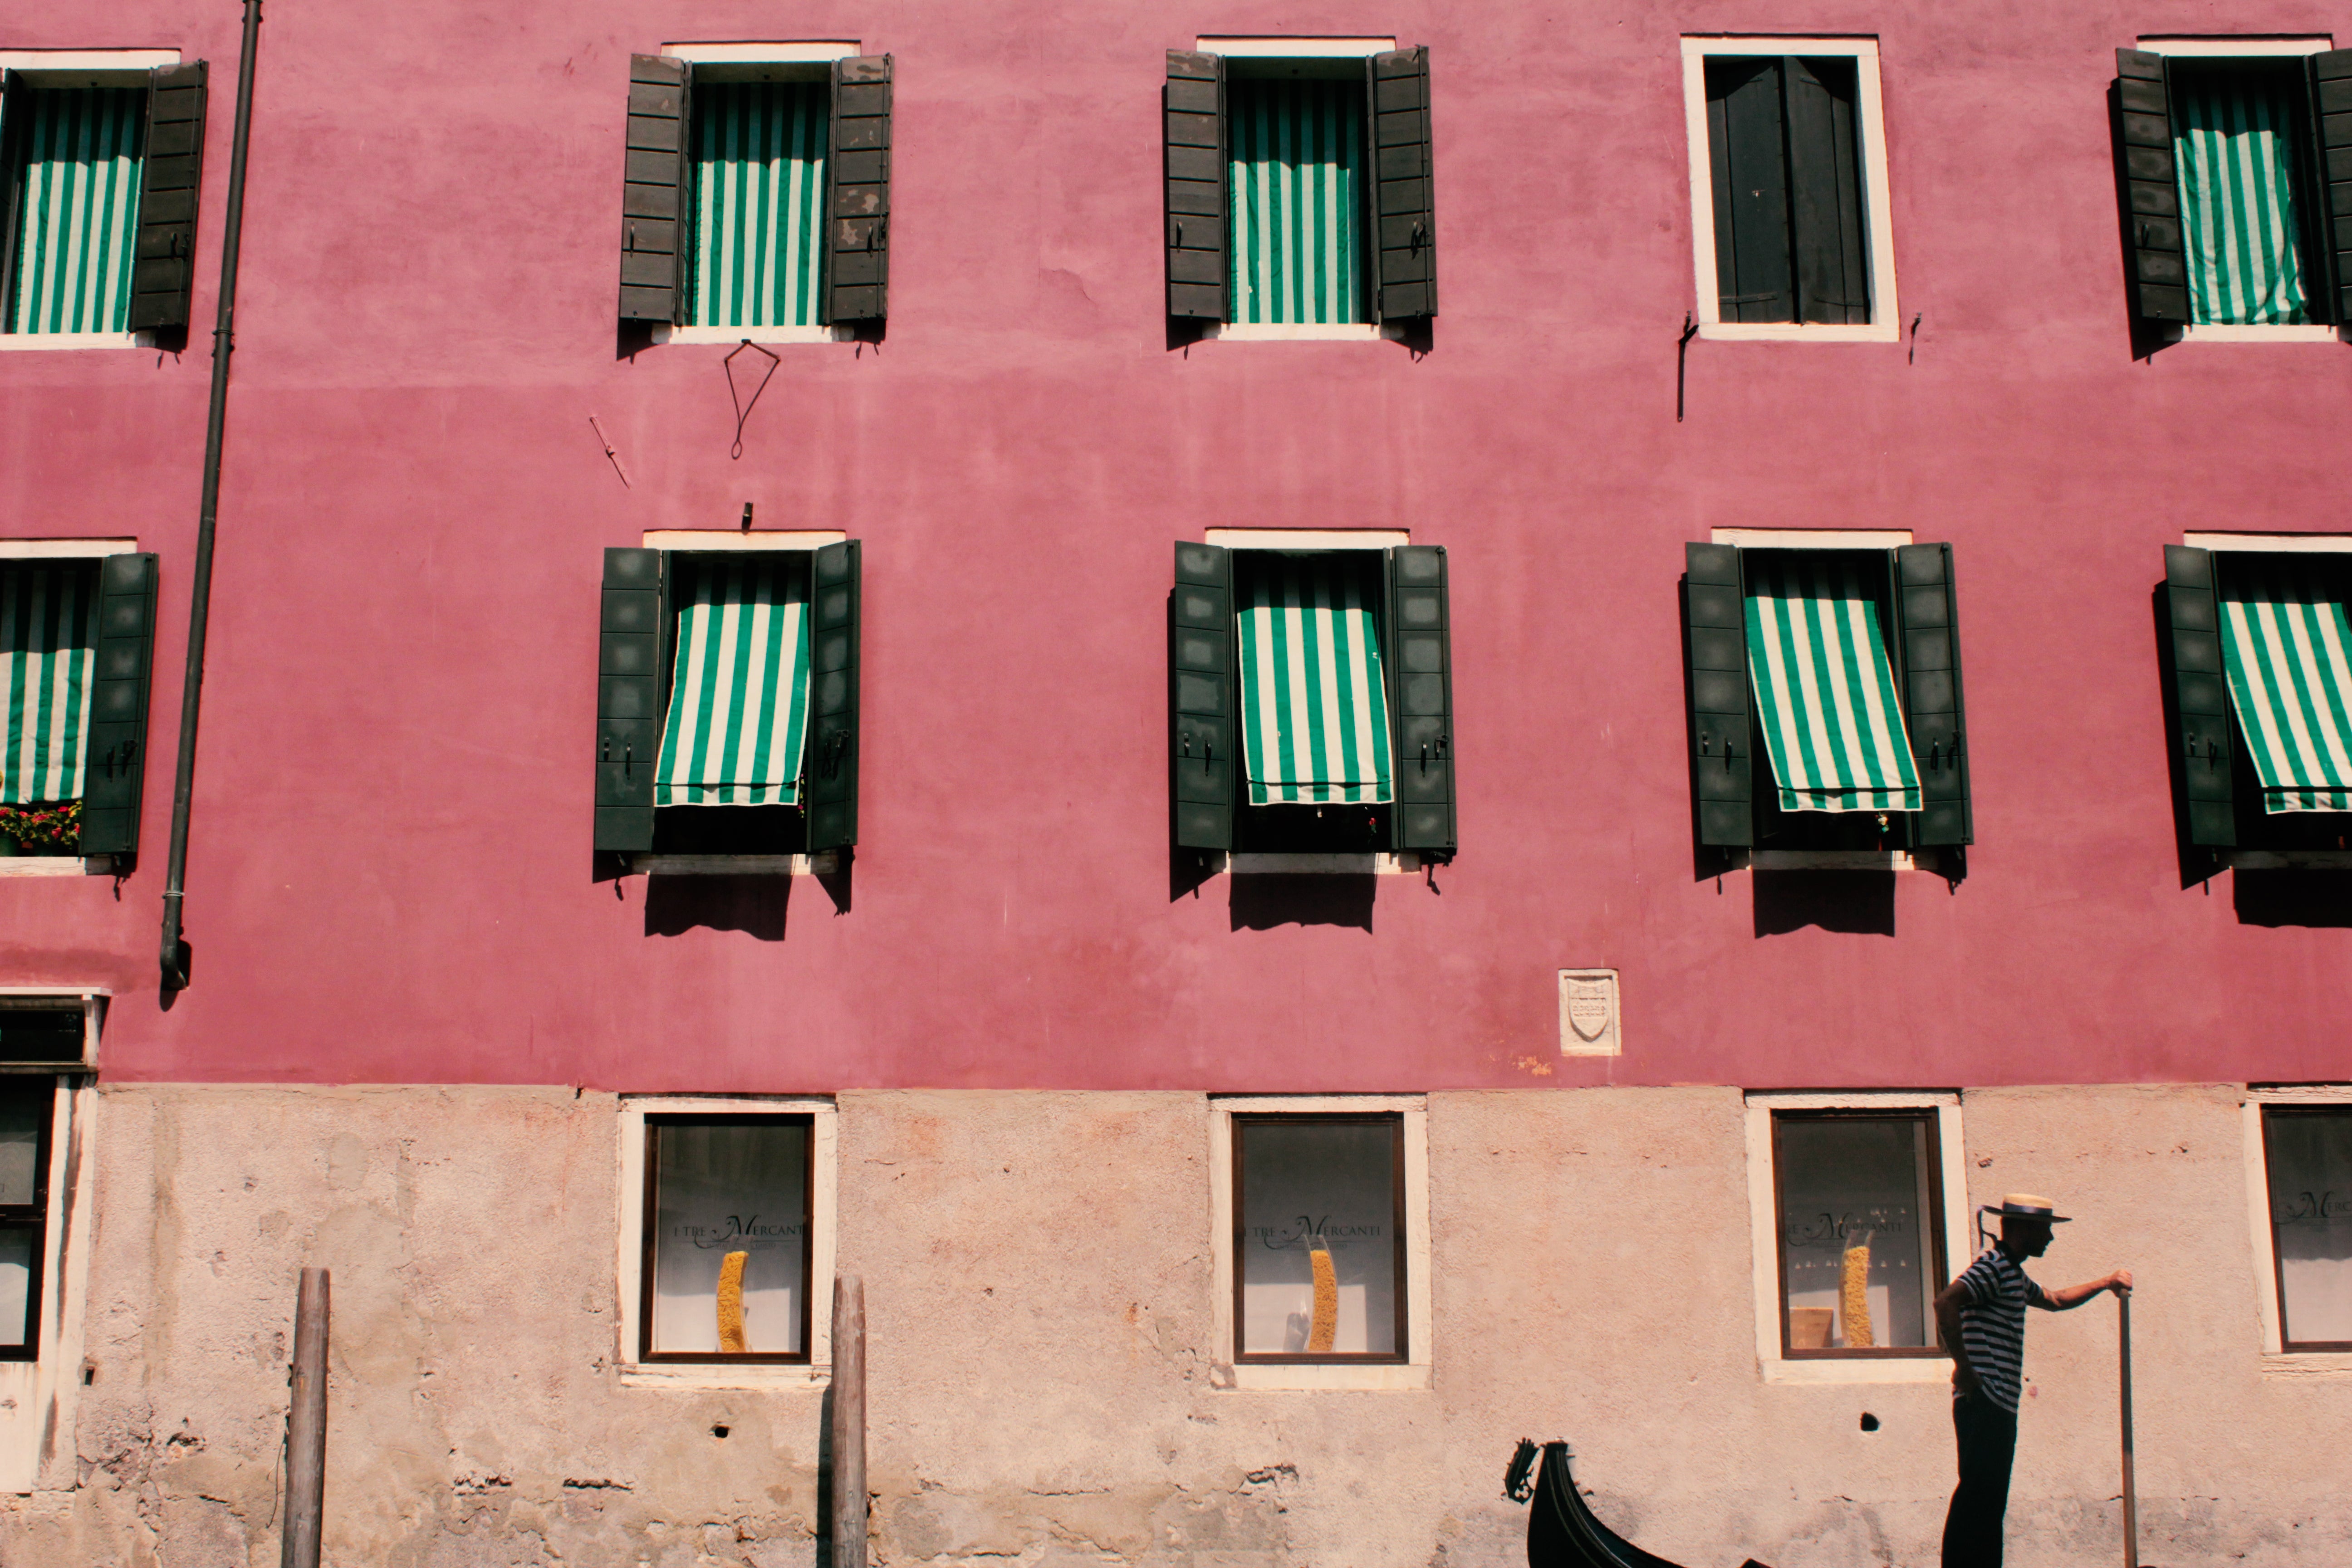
pixel 2068 1297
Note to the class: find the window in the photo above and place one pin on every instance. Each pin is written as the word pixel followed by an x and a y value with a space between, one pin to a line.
pixel 1860 1254
pixel 1789 189
pixel 1298 185
pixel 77 635
pixel 756 197
pixel 2227 146
pixel 2307 1155
pixel 100 157
pixel 2255 672
pixel 24 1107
pixel 727 705
pixel 1841 667
pixel 728 1239
pixel 1312 702
pixel 1322 1272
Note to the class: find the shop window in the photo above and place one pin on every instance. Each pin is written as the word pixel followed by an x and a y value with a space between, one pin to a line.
pixel 1319 1239
pixel 1858 1210
pixel 1789 188
pixel 1299 183
pixel 729 1239
pixel 756 200
pixel 2228 148
pixel 99 158
pixel 1841 667
pixel 1312 705
pixel 727 716
pixel 2307 1156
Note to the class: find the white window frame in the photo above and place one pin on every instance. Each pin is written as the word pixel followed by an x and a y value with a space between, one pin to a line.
pixel 82 68
pixel 1885 325
pixel 761 62
pixel 1763 1216
pixel 2277 1361
pixel 61 550
pixel 2227 48
pixel 1259 47
pixel 1411 1373
pixel 1383 863
pixel 39 1397
pixel 92 1000
pixel 825 1187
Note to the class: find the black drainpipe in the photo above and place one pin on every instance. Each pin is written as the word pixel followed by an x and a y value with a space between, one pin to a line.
pixel 176 954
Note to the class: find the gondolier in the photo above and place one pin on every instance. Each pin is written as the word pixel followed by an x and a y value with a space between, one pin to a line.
pixel 1982 1318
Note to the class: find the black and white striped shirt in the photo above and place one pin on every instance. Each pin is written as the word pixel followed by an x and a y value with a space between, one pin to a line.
pixel 1993 1323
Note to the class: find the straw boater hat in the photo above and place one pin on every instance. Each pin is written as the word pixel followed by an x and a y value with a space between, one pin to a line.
pixel 2026 1206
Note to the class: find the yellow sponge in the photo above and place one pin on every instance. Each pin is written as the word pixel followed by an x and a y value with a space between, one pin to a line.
pixel 1326 1325
pixel 731 1303
pixel 1854 1298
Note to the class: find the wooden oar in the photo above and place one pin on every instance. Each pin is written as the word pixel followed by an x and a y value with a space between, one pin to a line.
pixel 2131 1500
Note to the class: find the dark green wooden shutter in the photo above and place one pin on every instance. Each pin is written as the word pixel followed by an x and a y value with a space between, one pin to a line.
pixel 857 203
pixel 2200 696
pixel 1204 756
pixel 833 677
pixel 171 167
pixel 1825 223
pixel 2151 194
pixel 630 680
pixel 115 764
pixel 1932 703
pixel 1193 108
pixel 1746 152
pixel 654 191
pixel 1420 697
pixel 1716 620
pixel 2331 90
pixel 1405 207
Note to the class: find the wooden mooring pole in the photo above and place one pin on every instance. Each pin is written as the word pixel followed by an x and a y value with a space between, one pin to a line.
pixel 849 1421
pixel 306 1428
pixel 2131 1495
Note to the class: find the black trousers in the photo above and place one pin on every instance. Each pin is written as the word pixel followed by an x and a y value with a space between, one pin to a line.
pixel 1988 1443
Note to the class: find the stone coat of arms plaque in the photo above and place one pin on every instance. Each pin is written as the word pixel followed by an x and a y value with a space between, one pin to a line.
pixel 1588 1013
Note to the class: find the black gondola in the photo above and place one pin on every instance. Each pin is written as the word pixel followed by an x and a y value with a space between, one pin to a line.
pixel 1561 1531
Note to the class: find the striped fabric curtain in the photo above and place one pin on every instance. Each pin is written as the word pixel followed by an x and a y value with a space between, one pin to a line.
pixel 1825 691
pixel 1296 153
pixel 759 198
pixel 48 637
pixel 80 211
pixel 1315 716
pixel 739 705
pixel 2233 137
pixel 2288 655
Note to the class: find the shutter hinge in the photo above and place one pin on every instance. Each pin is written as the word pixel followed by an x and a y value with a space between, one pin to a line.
pixel 1420 236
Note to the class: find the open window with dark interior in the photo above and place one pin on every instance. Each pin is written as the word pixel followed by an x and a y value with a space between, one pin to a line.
pixel 1825 699
pixel 2258 668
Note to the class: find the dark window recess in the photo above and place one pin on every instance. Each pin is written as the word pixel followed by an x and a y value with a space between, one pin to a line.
pixel 1738 796
pixel 1332 827
pixel 26 1104
pixel 41 1030
pixel 1783 144
pixel 2212 767
pixel 1319 1239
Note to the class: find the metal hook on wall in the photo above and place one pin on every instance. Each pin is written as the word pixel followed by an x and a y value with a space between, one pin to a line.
pixel 743 407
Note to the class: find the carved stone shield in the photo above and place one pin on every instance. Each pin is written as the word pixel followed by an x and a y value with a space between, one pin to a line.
pixel 1588 1009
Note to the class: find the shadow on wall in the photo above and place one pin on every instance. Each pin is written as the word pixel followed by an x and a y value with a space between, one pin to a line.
pixel 1859 902
pixel 755 905
pixel 2292 898
pixel 1261 903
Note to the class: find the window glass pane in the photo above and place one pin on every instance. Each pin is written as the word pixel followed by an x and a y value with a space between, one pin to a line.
pixel 21 1108
pixel 2311 1206
pixel 1304 1182
pixel 721 1192
pixel 16 1259
pixel 1857 1247
pixel 38 1034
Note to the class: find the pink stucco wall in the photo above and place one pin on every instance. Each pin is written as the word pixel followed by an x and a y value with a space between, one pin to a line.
pixel 391 876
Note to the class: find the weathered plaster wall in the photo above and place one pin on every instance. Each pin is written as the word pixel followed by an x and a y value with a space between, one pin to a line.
pixel 1038 1268
pixel 393 809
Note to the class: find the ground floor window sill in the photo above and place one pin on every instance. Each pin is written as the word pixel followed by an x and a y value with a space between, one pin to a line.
pixel 1386 1377
pixel 706 1375
pixel 2332 1366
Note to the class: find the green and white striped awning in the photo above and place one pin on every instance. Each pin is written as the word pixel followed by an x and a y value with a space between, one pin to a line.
pixel 1315 715
pixel 48 636
pixel 80 213
pixel 758 203
pixel 1825 691
pixel 1295 151
pixel 738 702
pixel 2288 655
pixel 2233 139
